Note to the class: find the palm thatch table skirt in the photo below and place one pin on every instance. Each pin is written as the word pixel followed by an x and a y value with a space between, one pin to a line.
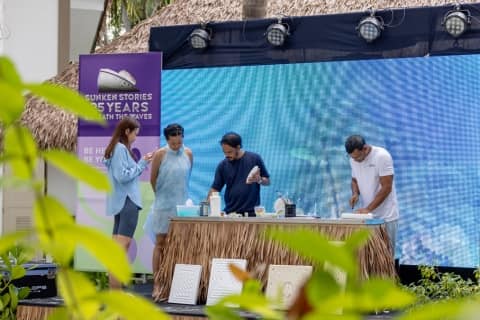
pixel 198 240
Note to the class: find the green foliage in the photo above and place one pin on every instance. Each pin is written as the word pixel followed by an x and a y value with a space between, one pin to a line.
pixel 77 169
pixel 68 100
pixel 125 14
pixel 11 269
pixel 251 299
pixel 54 231
pixel 325 297
pixel 12 99
pixel 12 104
pixel 302 242
pixel 455 309
pixel 325 293
pixel 436 286
pixel 100 279
pixel 122 303
pixel 20 151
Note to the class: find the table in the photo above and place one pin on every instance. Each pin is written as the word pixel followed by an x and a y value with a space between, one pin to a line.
pixel 196 240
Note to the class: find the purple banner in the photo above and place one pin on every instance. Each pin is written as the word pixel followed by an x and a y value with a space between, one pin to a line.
pixel 119 85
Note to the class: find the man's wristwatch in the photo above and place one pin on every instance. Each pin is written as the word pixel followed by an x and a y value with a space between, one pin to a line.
pixel 260 180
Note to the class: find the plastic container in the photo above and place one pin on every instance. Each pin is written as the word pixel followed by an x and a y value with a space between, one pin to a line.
pixel 215 204
pixel 188 211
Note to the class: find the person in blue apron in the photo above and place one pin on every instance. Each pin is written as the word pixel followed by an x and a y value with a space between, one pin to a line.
pixel 170 175
pixel 124 202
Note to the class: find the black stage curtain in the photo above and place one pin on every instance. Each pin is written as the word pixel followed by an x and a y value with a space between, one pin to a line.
pixel 413 32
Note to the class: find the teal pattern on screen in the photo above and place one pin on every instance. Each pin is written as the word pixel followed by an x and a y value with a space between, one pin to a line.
pixel 297 117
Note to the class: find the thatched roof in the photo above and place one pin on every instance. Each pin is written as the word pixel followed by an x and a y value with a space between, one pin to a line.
pixel 53 128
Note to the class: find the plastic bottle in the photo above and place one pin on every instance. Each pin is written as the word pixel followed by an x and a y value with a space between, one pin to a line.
pixel 215 204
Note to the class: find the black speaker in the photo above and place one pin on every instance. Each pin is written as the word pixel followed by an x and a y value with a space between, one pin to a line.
pixel 40 278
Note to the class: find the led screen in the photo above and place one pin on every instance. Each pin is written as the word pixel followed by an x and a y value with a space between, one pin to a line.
pixel 297 116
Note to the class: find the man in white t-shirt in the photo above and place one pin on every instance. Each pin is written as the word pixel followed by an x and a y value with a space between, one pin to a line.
pixel 372 183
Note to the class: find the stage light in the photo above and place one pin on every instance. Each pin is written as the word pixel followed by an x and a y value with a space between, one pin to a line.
pixel 199 38
pixel 277 33
pixel 370 28
pixel 456 21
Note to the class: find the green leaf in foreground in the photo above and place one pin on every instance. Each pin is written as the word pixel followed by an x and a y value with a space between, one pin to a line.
pixel 221 312
pixel 50 217
pixel 379 294
pixel 77 292
pixel 67 99
pixel 59 313
pixel 12 290
pixel 8 241
pixel 74 167
pixel 20 151
pixel 23 292
pixel 49 213
pixel 18 272
pixel 103 248
pixel 11 105
pixel 130 306
pixel 256 303
pixel 8 73
pixel 301 241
